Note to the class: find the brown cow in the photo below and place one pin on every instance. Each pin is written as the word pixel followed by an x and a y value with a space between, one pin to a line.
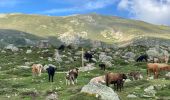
pixel 36 69
pixel 116 79
pixel 155 68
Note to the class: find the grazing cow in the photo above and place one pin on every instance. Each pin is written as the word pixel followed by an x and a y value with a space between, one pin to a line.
pixel 71 77
pixel 99 79
pixel 102 66
pixel 88 56
pixel 36 69
pixel 51 71
pixel 116 79
pixel 155 68
pixel 135 75
pixel 142 57
pixel 62 47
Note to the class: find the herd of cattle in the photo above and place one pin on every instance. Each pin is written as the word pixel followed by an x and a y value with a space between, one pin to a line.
pixel 117 79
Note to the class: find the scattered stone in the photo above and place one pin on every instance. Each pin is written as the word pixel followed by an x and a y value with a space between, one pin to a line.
pixel 88 67
pixel 167 75
pixel 129 56
pixel 12 48
pixel 29 51
pixel 127 80
pixel 50 59
pixel 131 96
pixel 24 67
pixel 150 91
pixel 52 96
pixel 93 59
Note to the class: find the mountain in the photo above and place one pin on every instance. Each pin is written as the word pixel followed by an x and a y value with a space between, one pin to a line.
pixel 75 28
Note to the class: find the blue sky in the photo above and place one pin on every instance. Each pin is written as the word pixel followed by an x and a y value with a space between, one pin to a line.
pixel 152 11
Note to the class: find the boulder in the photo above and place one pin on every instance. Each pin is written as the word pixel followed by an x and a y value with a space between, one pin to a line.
pixel 24 67
pixel 29 51
pixel 130 56
pixel 50 59
pixel 52 96
pixel 57 56
pixel 106 93
pixel 104 58
pixel 12 48
pixel 88 67
pixel 150 91
pixel 157 53
pixel 93 59
pixel 131 96
pixel 167 75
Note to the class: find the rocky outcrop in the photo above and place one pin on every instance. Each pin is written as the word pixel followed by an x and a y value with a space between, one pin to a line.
pixel 106 93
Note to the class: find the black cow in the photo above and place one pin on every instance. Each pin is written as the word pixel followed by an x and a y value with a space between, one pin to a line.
pixel 62 47
pixel 142 57
pixel 88 56
pixel 102 66
pixel 51 72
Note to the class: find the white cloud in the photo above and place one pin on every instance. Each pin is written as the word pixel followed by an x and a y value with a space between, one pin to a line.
pixel 85 5
pixel 153 11
pixel 8 3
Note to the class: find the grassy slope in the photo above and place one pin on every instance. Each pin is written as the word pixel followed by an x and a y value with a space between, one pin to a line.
pixel 93 24
pixel 15 80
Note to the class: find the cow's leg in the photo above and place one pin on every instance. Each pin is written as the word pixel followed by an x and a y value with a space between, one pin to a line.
pixel 52 77
pixel 66 81
pixel 49 77
pixel 72 82
pixel 39 72
pixel 76 80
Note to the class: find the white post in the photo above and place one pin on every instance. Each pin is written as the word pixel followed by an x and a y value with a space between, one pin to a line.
pixel 82 57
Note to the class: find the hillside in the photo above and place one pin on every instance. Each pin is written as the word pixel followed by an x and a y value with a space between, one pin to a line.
pixel 72 29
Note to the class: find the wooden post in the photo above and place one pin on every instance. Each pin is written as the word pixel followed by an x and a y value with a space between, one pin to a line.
pixel 82 57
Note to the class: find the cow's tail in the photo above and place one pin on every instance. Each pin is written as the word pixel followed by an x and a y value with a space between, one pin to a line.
pixel 107 79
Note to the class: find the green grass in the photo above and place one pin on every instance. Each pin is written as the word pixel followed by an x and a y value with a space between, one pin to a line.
pixel 17 83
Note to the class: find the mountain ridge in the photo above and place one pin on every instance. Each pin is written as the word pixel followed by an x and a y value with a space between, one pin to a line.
pixel 70 29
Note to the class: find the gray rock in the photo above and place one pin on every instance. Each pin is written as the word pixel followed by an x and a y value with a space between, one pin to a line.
pixel 29 51
pixel 88 67
pixel 167 74
pixel 150 91
pixel 130 56
pixel 127 80
pixel 93 59
pixel 24 67
pixel 105 92
pixel 52 96
pixel 131 96
pixel 50 59
pixel 12 48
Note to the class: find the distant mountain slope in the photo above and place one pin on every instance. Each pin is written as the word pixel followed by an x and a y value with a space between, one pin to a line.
pixel 71 29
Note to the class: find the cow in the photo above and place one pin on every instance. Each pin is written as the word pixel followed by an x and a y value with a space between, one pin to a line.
pixel 51 72
pixel 37 69
pixel 71 76
pixel 116 79
pixel 142 58
pixel 102 66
